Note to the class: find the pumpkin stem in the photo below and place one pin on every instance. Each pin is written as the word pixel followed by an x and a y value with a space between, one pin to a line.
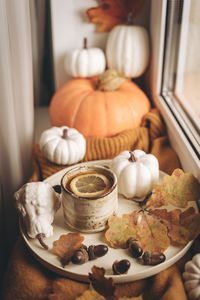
pixel 65 133
pixel 110 80
pixel 132 157
pixel 130 18
pixel 85 46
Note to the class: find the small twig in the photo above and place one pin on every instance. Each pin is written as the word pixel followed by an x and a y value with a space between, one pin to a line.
pixel 40 237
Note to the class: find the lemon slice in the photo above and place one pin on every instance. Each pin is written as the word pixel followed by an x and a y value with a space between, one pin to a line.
pixel 90 185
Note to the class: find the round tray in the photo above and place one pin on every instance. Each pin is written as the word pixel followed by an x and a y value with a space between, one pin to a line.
pixel 80 272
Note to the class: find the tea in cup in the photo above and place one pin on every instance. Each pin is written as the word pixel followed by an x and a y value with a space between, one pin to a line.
pixel 89 197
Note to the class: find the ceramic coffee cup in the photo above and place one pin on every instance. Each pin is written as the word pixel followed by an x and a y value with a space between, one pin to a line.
pixel 88 214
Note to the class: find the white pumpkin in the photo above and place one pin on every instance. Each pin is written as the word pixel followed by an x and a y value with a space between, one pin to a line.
pixel 127 50
pixel 37 203
pixel 192 277
pixel 63 145
pixel 137 173
pixel 86 62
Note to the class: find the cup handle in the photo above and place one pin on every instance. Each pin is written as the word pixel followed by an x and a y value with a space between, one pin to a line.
pixel 57 188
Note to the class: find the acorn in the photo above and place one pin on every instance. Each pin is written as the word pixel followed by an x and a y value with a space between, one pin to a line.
pixel 97 251
pixel 80 256
pixel 153 259
pixel 134 248
pixel 121 267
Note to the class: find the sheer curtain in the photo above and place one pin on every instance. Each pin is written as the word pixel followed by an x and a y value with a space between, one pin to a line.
pixel 16 112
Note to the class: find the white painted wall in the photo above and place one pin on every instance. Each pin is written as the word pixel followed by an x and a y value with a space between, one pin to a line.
pixel 70 25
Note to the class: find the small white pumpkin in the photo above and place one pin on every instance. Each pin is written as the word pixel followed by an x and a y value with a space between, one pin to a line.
pixel 137 173
pixel 37 203
pixel 192 277
pixel 63 145
pixel 86 62
pixel 127 50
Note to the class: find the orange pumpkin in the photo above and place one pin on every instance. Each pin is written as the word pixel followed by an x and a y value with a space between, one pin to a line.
pixel 98 113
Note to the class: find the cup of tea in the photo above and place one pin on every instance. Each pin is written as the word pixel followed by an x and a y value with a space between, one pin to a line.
pixel 89 197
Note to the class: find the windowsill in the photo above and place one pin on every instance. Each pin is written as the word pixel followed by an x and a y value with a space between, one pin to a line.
pixel 42 122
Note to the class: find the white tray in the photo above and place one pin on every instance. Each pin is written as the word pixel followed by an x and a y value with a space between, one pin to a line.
pixel 80 272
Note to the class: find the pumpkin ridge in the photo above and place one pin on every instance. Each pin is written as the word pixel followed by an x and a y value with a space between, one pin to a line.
pixel 74 67
pixel 57 100
pixel 58 152
pixel 132 111
pixel 45 149
pixel 77 108
pixel 134 106
pixel 70 150
pixel 124 50
pixel 106 112
pixel 125 64
pixel 73 101
pixel 121 53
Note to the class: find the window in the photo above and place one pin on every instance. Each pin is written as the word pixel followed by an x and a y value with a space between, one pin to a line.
pixel 175 70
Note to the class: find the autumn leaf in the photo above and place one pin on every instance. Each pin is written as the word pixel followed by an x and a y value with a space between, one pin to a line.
pixel 156 199
pixel 113 12
pixel 90 295
pixel 65 246
pixel 172 220
pixel 119 231
pixel 102 285
pixel 190 225
pixel 177 189
pixel 183 226
pixel 93 295
pixel 151 234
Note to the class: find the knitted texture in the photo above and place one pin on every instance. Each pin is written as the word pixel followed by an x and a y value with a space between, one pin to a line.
pixel 150 137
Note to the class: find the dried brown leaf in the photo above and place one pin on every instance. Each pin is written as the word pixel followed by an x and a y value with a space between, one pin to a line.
pixel 177 189
pixel 151 234
pixel 113 12
pixel 65 246
pixel 183 226
pixel 102 285
pixel 119 231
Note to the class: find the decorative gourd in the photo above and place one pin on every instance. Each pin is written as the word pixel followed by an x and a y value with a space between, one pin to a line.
pixel 86 62
pixel 99 108
pixel 137 173
pixel 127 49
pixel 192 277
pixel 37 203
pixel 62 145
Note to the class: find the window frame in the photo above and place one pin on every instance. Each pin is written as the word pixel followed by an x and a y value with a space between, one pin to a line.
pixel 178 139
pixel 184 32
